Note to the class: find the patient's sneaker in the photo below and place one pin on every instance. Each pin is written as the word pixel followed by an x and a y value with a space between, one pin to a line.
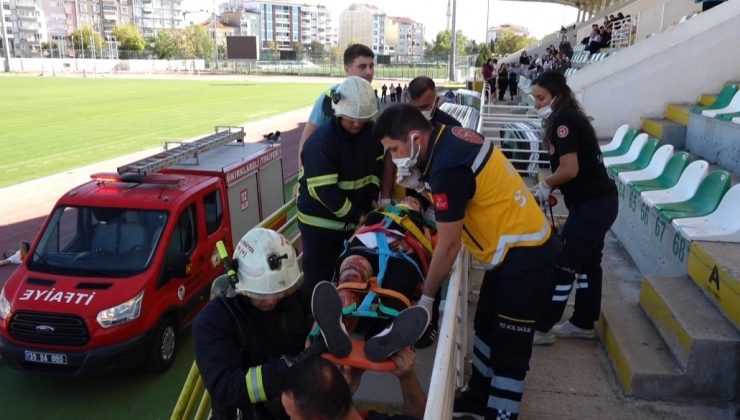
pixel 327 310
pixel 405 329
pixel 567 329
pixel 543 338
pixel 428 338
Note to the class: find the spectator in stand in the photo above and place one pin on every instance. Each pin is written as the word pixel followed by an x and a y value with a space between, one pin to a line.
pixel 503 80
pixel 606 37
pixel 620 16
pixel 399 93
pixel 393 93
pixel 553 50
pixel 513 79
pixel 566 48
pixel 566 62
pixel 487 73
pixel 384 89
pixel 594 43
pixel 524 58
pixel 405 94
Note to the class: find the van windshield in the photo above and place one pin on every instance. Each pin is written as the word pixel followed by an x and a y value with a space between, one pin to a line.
pixel 98 241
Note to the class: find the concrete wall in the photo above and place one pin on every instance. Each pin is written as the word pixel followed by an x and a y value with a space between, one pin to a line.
pixel 659 17
pixel 69 65
pixel 677 65
pixel 715 141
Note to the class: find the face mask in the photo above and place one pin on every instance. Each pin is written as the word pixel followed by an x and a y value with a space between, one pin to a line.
pixel 408 162
pixel 428 114
pixel 546 110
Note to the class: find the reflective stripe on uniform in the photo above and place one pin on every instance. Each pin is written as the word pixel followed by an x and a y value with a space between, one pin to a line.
pixel 320 181
pixel 359 183
pixel 346 207
pixel 506 241
pixel 254 385
pixel 480 159
pixel 324 223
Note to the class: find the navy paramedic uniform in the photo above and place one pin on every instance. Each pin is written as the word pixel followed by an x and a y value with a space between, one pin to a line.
pixel 238 349
pixel 504 228
pixel 591 198
pixel 338 183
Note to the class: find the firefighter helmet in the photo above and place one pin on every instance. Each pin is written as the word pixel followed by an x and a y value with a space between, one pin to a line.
pixel 355 98
pixel 267 265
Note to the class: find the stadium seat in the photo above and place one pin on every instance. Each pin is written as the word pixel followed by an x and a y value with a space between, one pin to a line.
pixel 631 154
pixel 723 99
pixel 722 225
pixel 624 146
pixel 570 71
pixel 642 161
pixel 668 178
pixel 736 120
pixel 684 189
pixel 728 116
pixel 653 170
pixel 732 107
pixel 703 202
pixel 616 139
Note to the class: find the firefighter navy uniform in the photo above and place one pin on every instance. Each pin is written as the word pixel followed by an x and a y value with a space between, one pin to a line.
pixel 339 182
pixel 504 228
pixel 239 351
pixel 591 198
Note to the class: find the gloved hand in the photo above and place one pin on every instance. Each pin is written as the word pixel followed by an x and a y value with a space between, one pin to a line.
pixel 427 303
pixel 542 192
pixel 412 180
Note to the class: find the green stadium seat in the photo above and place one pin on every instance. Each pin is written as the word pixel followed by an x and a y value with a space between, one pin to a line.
pixel 623 148
pixel 728 117
pixel 642 161
pixel 723 99
pixel 668 178
pixel 705 201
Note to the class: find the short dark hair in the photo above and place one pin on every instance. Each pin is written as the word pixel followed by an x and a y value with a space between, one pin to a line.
pixel 318 389
pixel 420 85
pixel 357 50
pixel 398 120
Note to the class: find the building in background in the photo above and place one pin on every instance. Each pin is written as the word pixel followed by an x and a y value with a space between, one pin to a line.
pixel 496 31
pixel 363 24
pixel 151 16
pixel 405 39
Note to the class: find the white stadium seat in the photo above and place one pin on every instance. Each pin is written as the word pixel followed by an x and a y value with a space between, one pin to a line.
pixel 733 106
pixel 684 189
pixel 616 139
pixel 722 225
pixel 631 154
pixel 653 170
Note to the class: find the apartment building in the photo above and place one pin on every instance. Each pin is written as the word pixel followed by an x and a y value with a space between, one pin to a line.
pixel 405 39
pixel 363 24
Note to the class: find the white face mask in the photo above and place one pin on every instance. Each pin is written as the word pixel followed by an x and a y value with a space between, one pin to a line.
pixel 408 162
pixel 546 110
pixel 428 114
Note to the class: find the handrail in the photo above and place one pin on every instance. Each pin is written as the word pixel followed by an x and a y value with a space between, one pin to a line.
pixel 194 393
pixel 449 361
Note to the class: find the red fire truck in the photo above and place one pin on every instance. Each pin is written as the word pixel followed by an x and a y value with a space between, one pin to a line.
pixel 124 262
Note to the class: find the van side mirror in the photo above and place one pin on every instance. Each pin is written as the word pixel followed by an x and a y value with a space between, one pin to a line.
pixel 177 264
pixel 24 247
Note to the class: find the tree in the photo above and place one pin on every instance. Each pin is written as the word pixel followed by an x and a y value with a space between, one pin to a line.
pixel 442 45
pixel 129 38
pixel 81 39
pixel 298 48
pixel 483 55
pixel 197 42
pixel 274 50
pixel 316 51
pixel 166 44
pixel 508 42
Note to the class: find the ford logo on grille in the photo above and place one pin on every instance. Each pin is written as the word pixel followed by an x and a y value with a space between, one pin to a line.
pixel 45 328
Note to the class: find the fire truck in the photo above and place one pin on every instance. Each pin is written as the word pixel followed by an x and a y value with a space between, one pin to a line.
pixel 125 262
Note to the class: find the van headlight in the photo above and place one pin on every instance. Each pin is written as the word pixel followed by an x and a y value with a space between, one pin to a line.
pixel 4 305
pixel 119 314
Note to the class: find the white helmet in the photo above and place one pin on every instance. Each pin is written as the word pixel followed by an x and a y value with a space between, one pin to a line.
pixel 268 267
pixel 355 98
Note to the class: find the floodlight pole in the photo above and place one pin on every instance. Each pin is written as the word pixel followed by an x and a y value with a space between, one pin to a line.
pixel 453 40
pixel 6 47
pixel 215 34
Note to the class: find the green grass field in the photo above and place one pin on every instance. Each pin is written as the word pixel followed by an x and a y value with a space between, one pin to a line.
pixel 49 125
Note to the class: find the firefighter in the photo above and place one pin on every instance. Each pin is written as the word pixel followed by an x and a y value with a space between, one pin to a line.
pixel 481 201
pixel 339 181
pixel 244 340
pixel 591 198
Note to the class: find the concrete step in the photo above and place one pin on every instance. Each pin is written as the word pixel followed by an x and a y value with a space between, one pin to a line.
pixel 704 343
pixel 642 361
pixel 669 132
pixel 678 113
pixel 715 268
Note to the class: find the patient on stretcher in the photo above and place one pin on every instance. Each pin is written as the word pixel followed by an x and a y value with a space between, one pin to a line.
pixel 380 277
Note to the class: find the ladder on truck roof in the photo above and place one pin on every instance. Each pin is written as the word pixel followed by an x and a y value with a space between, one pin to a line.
pixel 184 151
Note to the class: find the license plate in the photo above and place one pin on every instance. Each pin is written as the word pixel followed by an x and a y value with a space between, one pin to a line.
pixel 48 358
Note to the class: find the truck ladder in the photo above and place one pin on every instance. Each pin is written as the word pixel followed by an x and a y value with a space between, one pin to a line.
pixel 185 151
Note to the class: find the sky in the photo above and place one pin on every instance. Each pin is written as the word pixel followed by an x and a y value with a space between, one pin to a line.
pixel 539 18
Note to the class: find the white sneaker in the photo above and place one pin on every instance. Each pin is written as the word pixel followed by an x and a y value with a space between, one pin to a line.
pixel 567 329
pixel 543 338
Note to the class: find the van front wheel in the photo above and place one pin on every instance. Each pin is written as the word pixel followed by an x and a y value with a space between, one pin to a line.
pixel 164 346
